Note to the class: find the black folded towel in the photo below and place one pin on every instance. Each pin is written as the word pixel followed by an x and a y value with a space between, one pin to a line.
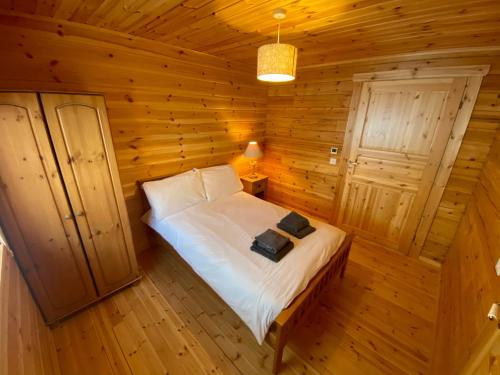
pixel 300 234
pixel 275 257
pixel 294 221
pixel 271 241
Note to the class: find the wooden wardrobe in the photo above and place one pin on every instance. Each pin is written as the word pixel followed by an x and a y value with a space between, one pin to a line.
pixel 61 205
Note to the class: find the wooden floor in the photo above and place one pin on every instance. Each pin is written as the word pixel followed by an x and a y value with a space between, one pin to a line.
pixel 380 320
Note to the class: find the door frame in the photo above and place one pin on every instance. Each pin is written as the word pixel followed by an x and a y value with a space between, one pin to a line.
pixel 474 75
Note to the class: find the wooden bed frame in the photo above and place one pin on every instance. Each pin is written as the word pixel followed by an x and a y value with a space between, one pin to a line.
pixel 297 311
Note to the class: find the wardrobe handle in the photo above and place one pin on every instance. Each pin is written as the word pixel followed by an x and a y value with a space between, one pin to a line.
pixel 68 217
pixel 79 213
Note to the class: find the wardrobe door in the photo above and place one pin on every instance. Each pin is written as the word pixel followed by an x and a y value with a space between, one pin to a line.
pixel 34 212
pixel 82 141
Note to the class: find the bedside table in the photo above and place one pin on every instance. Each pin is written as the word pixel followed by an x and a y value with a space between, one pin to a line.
pixel 256 186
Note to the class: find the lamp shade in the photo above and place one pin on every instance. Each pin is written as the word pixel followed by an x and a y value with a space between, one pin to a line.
pixel 253 151
pixel 276 62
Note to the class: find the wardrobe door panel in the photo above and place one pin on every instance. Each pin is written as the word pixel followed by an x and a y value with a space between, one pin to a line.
pixel 80 133
pixel 34 212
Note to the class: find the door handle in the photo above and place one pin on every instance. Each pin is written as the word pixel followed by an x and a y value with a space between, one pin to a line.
pixel 353 163
pixel 493 313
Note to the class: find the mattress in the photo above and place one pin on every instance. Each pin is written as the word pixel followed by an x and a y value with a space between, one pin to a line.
pixel 214 238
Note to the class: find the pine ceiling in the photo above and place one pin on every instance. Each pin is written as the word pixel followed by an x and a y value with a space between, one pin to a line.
pixel 323 30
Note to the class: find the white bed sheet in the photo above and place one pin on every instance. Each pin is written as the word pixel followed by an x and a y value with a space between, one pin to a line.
pixel 214 238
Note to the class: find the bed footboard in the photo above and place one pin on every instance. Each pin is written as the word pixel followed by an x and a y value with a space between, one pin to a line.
pixel 289 318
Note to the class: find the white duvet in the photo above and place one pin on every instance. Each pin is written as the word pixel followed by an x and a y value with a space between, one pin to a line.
pixel 214 238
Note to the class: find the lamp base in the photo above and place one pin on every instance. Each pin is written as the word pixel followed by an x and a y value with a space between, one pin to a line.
pixel 253 163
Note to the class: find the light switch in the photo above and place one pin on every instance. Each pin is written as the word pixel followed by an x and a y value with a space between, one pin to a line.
pixel 333 161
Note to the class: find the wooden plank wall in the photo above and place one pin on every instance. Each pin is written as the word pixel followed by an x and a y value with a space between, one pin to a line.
pixel 26 343
pixel 468 282
pixel 306 117
pixel 477 143
pixel 170 109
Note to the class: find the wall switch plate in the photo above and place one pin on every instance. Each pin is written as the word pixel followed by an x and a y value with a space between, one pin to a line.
pixel 497 267
pixel 333 161
pixel 334 150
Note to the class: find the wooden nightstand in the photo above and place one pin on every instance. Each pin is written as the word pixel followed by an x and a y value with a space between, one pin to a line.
pixel 256 186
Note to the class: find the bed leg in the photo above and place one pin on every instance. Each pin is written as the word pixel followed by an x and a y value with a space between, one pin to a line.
pixel 278 350
pixel 342 271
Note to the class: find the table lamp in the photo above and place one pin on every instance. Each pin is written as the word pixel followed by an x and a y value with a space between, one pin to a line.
pixel 253 152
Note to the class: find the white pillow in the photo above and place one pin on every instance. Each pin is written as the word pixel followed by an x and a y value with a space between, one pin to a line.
pixel 220 181
pixel 174 194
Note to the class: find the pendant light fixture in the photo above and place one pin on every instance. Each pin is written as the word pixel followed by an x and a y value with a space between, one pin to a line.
pixel 277 62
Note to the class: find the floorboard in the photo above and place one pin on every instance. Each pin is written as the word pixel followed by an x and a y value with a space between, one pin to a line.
pixel 378 320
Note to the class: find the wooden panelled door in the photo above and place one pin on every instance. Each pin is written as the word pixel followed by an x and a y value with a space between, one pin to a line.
pixel 79 129
pixel 400 132
pixel 44 235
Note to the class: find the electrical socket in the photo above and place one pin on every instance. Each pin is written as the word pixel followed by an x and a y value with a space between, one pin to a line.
pixel 333 161
pixel 334 150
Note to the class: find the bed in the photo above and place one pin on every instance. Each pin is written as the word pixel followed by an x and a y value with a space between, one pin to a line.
pixel 213 238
